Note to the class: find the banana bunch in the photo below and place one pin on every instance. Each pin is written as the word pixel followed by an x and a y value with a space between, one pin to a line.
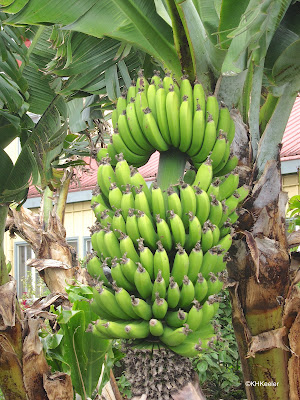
pixel 159 256
pixel 163 115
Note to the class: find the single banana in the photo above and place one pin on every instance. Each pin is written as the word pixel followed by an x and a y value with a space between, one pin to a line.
pixel 216 211
pixel 131 91
pixel 212 109
pixel 114 118
pixel 201 288
pixel 152 131
pixel 206 237
pixel 124 300
pixel 176 319
pixel 210 259
pixel 105 176
pixel 218 150
pixel 137 330
pixel 119 277
pixel 195 262
pixel 141 83
pixel 136 180
pixel 173 293
pixel 127 246
pixel 161 262
pixel 127 136
pixel 141 202
pixel 195 315
pixel 224 119
pixel 210 136
pixel 158 201
pixel 224 159
pixel 180 265
pixel 174 337
pixel 135 128
pixel 186 90
pixel 161 114
pixel 141 308
pixel 147 230
pixel 229 166
pixel 127 201
pixel 121 104
pixel 226 242
pixel 232 202
pixel 174 202
pixel 216 234
pixel 107 301
pixel 243 191
pixel 118 223
pixel 141 102
pixel 177 228
pixel 198 132
pixel 199 96
pixel 194 230
pixel 122 172
pixel 228 185
pixel 100 246
pixel 172 108
pixel 202 204
pixel 204 175
pixel 156 327
pixel 156 79
pixel 189 176
pixel 214 188
pixel 159 307
pixel 164 233
pixel 185 124
pixel 151 96
pixel 115 196
pixel 188 202
pixel 120 147
pixel 112 244
pixel 231 132
pixel 131 226
pixel 214 284
pixel 128 267
pixel 94 268
pixel 159 286
pixel 208 310
pixel 143 282
pixel 187 293
pixel 146 258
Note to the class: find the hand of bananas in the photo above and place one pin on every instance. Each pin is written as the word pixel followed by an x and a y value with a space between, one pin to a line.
pixel 162 115
pixel 159 254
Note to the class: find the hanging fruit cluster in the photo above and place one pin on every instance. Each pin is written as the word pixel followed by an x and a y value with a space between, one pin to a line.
pixel 160 251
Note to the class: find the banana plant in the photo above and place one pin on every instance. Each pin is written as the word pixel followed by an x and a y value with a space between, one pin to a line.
pixel 248 55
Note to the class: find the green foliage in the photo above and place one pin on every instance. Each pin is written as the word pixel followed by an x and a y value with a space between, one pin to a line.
pixel 75 349
pixel 293 212
pixel 219 368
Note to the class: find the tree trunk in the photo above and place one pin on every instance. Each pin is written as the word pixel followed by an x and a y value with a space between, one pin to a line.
pixel 259 285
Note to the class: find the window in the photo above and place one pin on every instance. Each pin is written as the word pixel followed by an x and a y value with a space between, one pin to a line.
pixel 74 243
pixel 29 283
pixel 87 245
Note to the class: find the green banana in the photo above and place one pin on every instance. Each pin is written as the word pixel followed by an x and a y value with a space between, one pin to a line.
pixel 195 315
pixel 105 219
pixel 115 196
pixel 229 166
pixel 185 124
pixel 136 180
pixel 164 233
pixel 201 288
pixel 198 129
pixel 134 126
pixel 114 118
pixel 131 226
pixel 127 246
pixel 176 319
pixel 202 204
pixel 232 202
pixel 94 268
pixel 210 259
pixel 214 188
pixel 147 230
pixel 156 327
pixel 219 149
pixel 195 262
pixel 146 258
pixel 214 284
pixel 226 242
pixel 206 237
pixel 124 300
pixel 199 96
pixel 161 262
pixel 231 132
pixel 188 202
pixel 98 209
pixel 128 267
pixel 174 202
pixel 224 122
pixel 189 176
pixel 173 293
pixel 122 172
pixel 121 104
pixel 174 337
pixel 126 135
pixel 158 201
pixel 180 265
pixel 141 82
pixel 224 159
pixel 112 244
pixel 159 286
pixel 99 245
pixel 152 131
pixel 186 90
pixel 210 136
pixel 141 102
pixel 216 211
pixel 141 308
pixel 105 176
pixel 143 282
pixel 156 79
pixel 118 223
pixel 208 310
pixel 131 91
pixel 106 300
pixel 172 109
pixel 243 191
pixel 194 230
pixel 187 293
pixel 177 228
pixel 161 114
pixel 204 175
pixel 216 234
pixel 228 185
pixel 127 201
pixel 141 202
pixel 118 276
pixel 159 307
pixel 212 109
pixel 137 330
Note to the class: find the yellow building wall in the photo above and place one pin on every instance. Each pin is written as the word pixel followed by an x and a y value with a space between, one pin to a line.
pixel 78 218
pixel 290 184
